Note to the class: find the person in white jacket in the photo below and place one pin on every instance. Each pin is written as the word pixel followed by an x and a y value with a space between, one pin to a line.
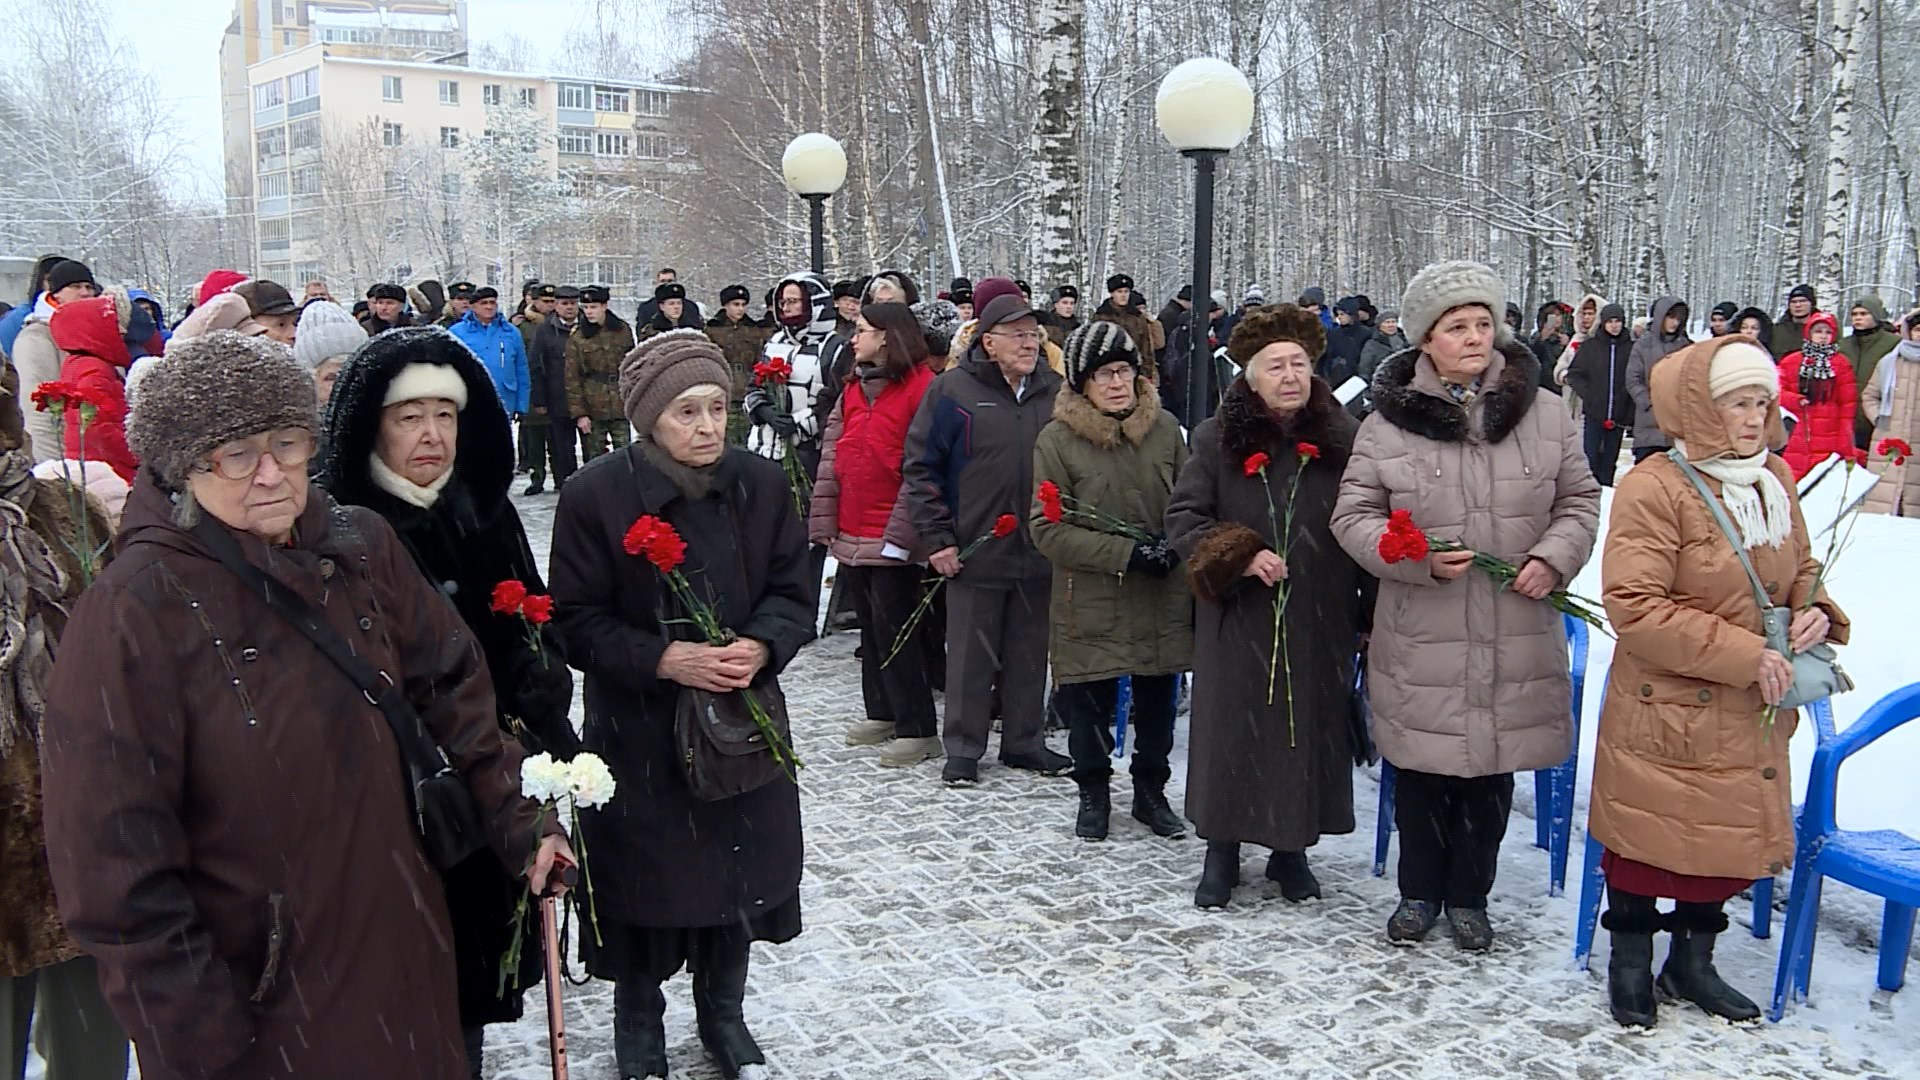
pixel 790 416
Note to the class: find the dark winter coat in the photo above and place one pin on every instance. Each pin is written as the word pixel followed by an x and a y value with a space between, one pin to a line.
pixel 469 540
pixel 547 369
pixel 1146 333
pixel 374 326
pixel 1865 350
pixel 1652 347
pixel 227 821
pixel 970 459
pixel 1598 375
pixel 1107 621
pixel 1057 326
pixel 1171 316
pixel 1341 361
pixel 1547 350
pixel 1175 374
pixel 593 368
pixel 660 857
pixel 1244 781
pixel 1378 348
pixel 741 342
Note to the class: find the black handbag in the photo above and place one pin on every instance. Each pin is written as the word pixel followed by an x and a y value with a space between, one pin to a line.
pixel 722 751
pixel 446 818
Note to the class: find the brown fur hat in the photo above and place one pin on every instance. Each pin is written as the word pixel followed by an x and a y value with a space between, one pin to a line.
pixel 1278 322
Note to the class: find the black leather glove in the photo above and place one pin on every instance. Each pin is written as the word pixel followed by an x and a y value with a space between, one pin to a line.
pixel 1150 557
pixel 542 698
pixel 766 415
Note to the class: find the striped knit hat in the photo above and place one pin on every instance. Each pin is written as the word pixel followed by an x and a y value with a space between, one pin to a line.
pixel 1093 346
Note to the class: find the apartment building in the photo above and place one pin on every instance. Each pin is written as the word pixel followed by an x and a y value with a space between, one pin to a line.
pixel 365 167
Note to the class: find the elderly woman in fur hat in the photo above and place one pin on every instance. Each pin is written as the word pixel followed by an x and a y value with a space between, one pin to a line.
pixel 1468 677
pixel 1119 605
pixel 1272 755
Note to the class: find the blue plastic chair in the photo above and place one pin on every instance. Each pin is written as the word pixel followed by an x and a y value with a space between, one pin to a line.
pixel 1552 788
pixel 1593 881
pixel 1885 862
pixel 1122 708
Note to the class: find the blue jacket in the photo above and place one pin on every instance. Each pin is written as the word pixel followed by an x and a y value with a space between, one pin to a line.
pixel 12 322
pixel 499 346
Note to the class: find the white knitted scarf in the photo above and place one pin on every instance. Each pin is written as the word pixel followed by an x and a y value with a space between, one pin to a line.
pixel 1754 497
pixel 404 489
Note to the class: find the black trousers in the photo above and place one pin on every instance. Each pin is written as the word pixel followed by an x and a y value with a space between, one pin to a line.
pixel 1603 449
pixel 1450 832
pixel 1088 707
pixel 996 636
pixel 884 597
pixel 541 441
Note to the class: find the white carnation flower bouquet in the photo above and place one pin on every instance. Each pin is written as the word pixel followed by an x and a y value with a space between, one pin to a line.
pixel 584 782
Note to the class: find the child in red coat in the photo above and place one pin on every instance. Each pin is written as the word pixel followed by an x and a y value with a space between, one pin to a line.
pixel 1817 388
pixel 94 359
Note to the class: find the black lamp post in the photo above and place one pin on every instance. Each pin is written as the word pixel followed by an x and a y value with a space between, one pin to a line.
pixel 815 167
pixel 1205 108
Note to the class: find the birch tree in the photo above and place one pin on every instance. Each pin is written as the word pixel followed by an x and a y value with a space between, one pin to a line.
pixel 1849 17
pixel 1056 137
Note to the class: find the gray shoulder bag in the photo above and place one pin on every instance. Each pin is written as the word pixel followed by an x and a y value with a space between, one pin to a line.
pixel 1817 672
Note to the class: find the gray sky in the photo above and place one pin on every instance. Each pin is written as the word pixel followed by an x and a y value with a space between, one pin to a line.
pixel 177 43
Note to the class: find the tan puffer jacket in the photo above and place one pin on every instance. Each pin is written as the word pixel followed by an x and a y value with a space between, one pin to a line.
pixel 1685 778
pixel 1465 677
pixel 1898 489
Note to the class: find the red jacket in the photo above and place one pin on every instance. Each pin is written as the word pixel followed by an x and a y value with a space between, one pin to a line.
pixel 1823 427
pixel 94 359
pixel 871 450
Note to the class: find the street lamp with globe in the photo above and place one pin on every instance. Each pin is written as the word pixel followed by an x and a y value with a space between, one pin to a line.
pixel 1204 108
pixel 815 167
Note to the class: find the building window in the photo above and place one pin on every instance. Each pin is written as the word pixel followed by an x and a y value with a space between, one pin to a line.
pixel 490 93
pixel 609 99
pixel 267 95
pixel 575 96
pixel 449 138
pixel 654 147
pixel 307 227
pixel 306 180
pixel 650 102
pixel 612 143
pixel 275 232
pixel 302 85
pixel 389 88
pixel 678 146
pixel 651 185
pixel 304 134
pixel 286 39
pixel 529 97
pixel 576 183
pixel 396 182
pixel 450 185
pixel 273 185
pixel 390 134
pixel 575 140
pixel 270 143
pixel 449 92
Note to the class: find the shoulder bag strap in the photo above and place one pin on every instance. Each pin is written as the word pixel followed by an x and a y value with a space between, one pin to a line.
pixel 417 751
pixel 1720 515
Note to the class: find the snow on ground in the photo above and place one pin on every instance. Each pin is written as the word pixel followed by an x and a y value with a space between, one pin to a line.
pixel 968 934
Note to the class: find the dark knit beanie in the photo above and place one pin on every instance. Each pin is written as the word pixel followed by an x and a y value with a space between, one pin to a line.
pixel 1277 322
pixel 939 321
pixel 665 366
pixel 210 390
pixel 1093 346
pixel 68 272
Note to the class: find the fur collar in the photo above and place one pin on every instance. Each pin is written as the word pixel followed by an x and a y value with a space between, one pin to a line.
pixel 1247 425
pixel 1505 400
pixel 1073 410
pixel 404 489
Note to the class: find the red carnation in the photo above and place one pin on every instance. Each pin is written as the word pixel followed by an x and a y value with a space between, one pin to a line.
pixel 658 541
pixel 508 596
pixel 1005 526
pixel 1050 507
pixel 1256 463
pixel 1403 541
pixel 1897 449
pixel 1607 424
pixel 776 370
pixel 1307 451
pixel 537 609
pixel 52 396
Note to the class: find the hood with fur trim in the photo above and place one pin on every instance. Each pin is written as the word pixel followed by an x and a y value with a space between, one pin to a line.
pixel 1507 392
pixel 1081 417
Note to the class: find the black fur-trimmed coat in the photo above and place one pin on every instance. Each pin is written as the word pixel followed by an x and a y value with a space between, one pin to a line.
pixel 1245 782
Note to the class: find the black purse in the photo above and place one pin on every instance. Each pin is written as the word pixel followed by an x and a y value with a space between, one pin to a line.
pixel 446 819
pixel 722 751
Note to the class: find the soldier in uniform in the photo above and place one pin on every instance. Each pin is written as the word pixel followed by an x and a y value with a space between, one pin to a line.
pixel 594 351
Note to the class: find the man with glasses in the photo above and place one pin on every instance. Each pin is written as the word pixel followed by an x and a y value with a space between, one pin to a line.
pixel 969 460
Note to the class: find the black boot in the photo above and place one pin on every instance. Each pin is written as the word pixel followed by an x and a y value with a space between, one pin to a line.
pixel 1096 805
pixel 1632 920
pixel 639 1029
pixel 1220 874
pixel 1150 809
pixel 1296 879
pixel 1689 973
pixel 719 1000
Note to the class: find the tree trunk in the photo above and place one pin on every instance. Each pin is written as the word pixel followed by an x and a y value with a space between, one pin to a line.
pixel 1793 242
pixel 1847 16
pixel 1059 58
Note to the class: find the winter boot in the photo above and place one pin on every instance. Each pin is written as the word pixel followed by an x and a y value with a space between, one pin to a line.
pixel 719 1000
pixel 1632 920
pixel 1096 805
pixel 1220 874
pixel 1150 809
pixel 1412 921
pixel 1296 879
pixel 639 1029
pixel 1472 932
pixel 1689 974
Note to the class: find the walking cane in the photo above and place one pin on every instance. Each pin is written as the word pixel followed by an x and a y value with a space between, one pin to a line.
pixel 556 1010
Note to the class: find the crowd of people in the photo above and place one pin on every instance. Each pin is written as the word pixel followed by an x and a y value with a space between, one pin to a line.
pixel 206 719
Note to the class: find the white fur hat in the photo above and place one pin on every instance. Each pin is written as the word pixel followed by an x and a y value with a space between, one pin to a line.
pixel 421 381
pixel 1444 286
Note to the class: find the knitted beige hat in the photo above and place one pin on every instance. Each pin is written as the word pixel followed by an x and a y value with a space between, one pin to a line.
pixel 665 366
pixel 1444 286
pixel 211 390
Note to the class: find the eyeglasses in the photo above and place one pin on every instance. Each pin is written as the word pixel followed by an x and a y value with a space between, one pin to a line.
pixel 1112 374
pixel 863 330
pixel 291 448
pixel 1024 337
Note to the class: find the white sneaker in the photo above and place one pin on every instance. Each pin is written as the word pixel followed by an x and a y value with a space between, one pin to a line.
pixel 870 733
pixel 904 753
